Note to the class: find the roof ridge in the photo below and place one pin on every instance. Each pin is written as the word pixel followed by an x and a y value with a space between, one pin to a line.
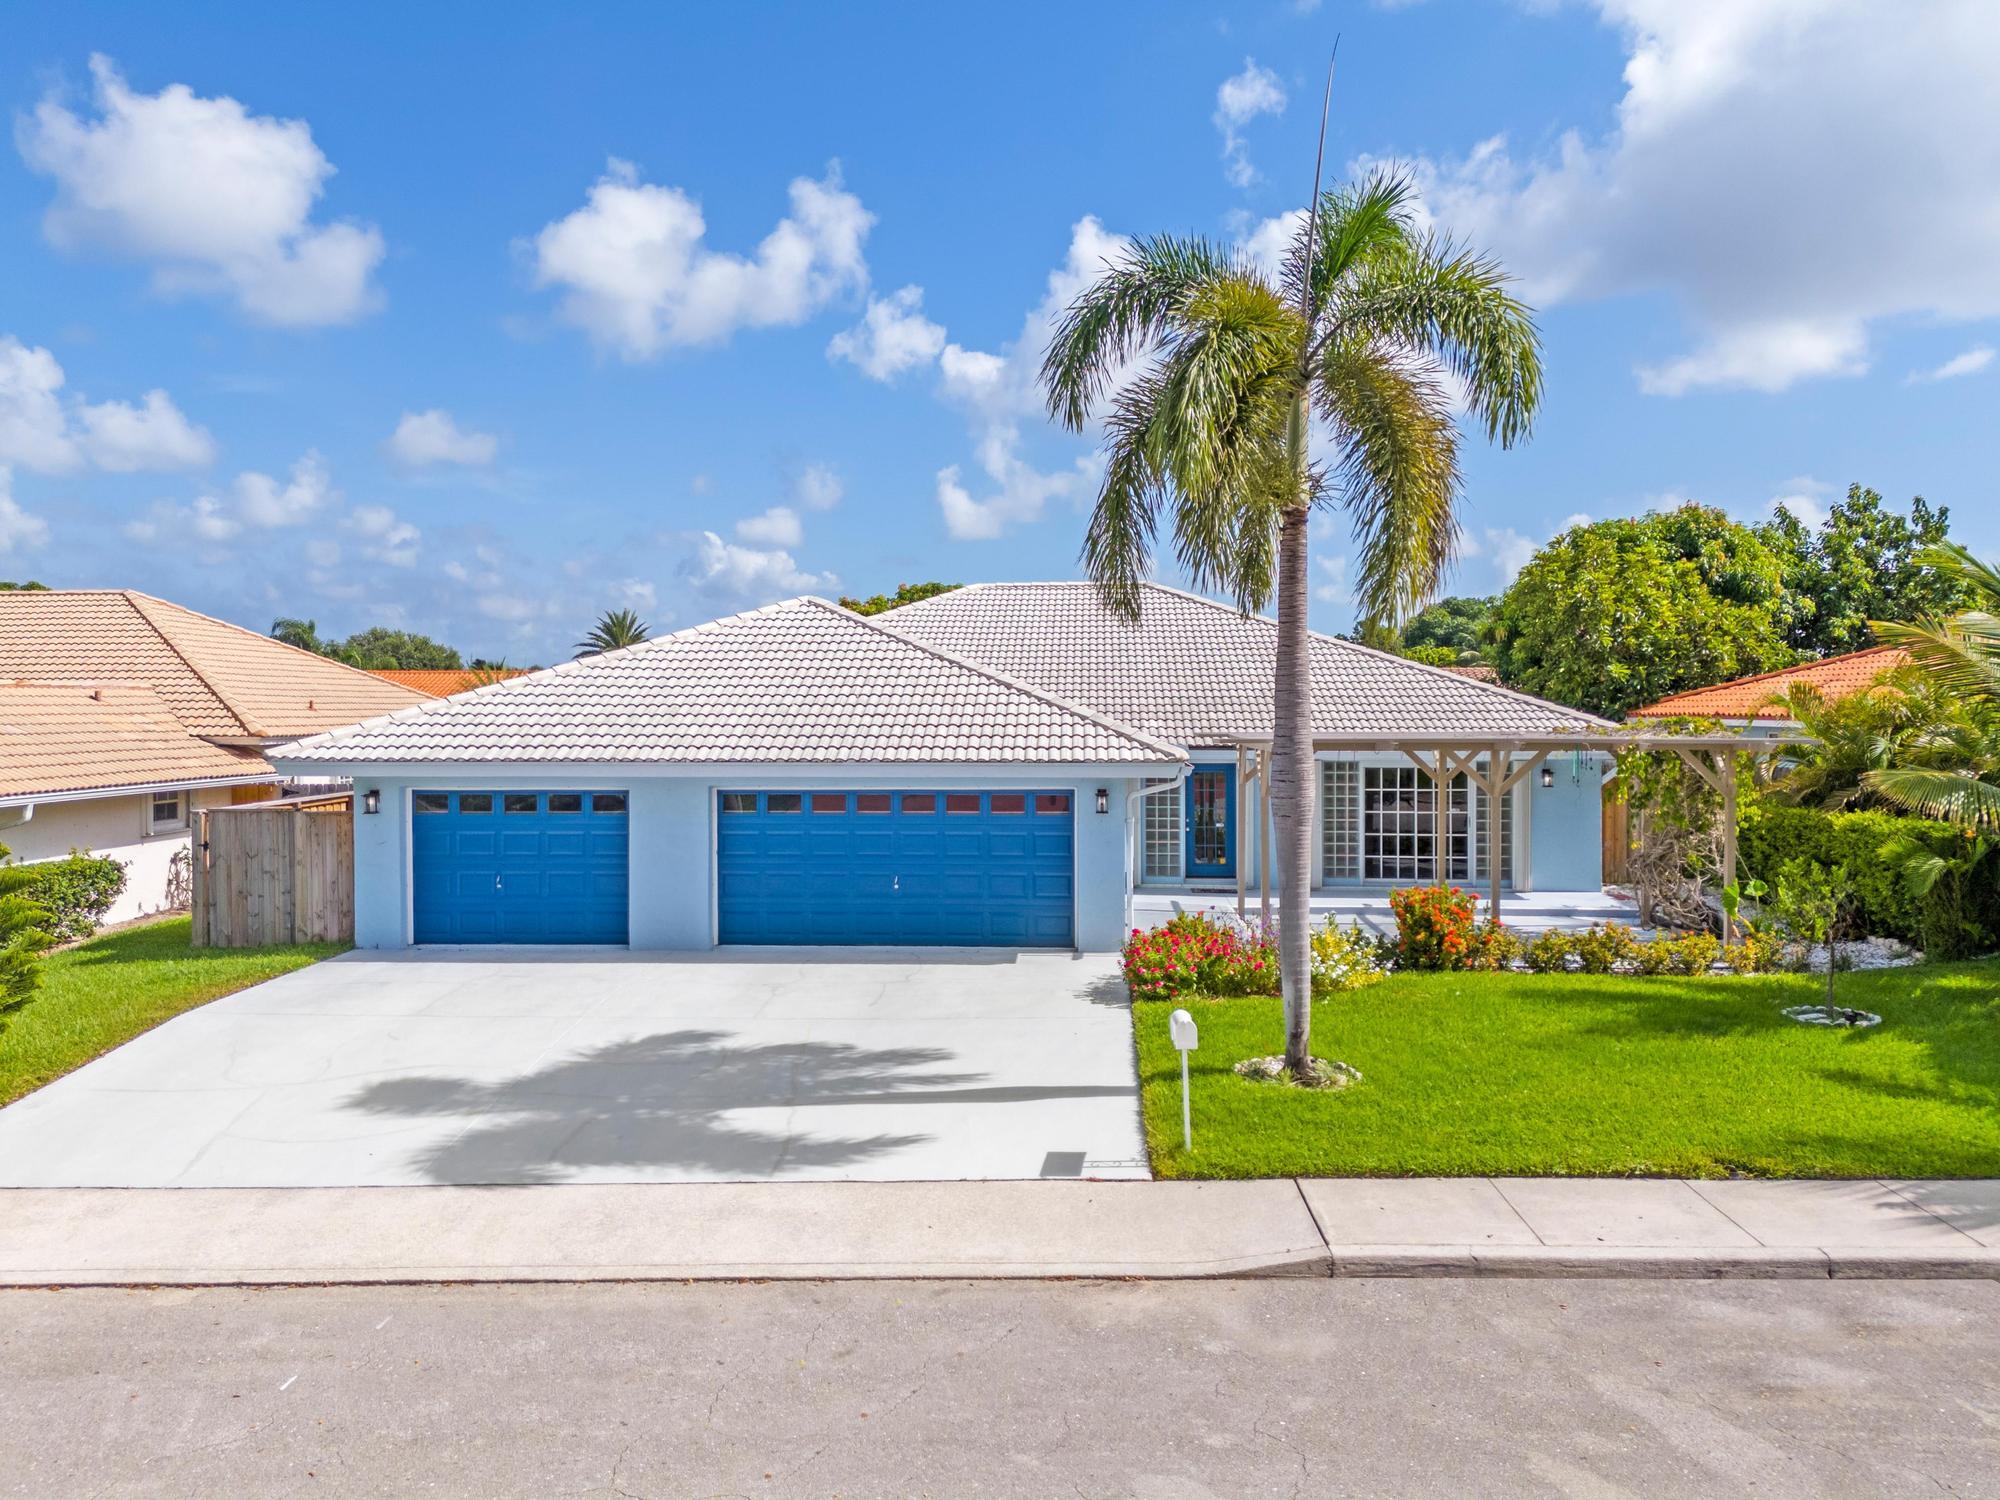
pixel 132 598
pixel 259 637
pixel 1879 648
pixel 981 669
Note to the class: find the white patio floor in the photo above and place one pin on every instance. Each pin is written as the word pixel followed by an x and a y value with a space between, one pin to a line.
pixel 1524 911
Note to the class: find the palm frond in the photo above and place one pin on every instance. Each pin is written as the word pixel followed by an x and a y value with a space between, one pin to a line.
pixel 1397 474
pixel 1127 310
pixel 1949 796
pixel 1357 224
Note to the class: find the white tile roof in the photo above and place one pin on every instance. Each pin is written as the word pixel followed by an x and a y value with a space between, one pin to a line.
pixel 804 681
pixel 1194 672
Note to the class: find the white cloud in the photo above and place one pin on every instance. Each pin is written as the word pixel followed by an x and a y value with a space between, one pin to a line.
pixel 19 531
pixel 818 487
pixel 205 518
pixel 1509 550
pixel 386 537
pixel 1750 142
pixel 892 336
pixel 1804 497
pixel 1242 98
pixel 1271 241
pixel 777 527
pixel 1334 587
pixel 430 437
pixel 39 431
pixel 637 277
pixel 262 501
pixel 747 576
pixel 217 199
pixel 636 593
pixel 1979 357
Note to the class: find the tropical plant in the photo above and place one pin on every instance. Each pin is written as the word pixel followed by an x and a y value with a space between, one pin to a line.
pixel 23 936
pixel 74 893
pixel 1435 926
pixel 906 593
pixel 1811 904
pixel 1906 718
pixel 1221 374
pixel 614 630
pixel 1962 656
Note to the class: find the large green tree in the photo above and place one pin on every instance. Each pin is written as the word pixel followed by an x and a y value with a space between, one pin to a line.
pixel 906 593
pixel 1864 562
pixel 377 649
pixel 1613 615
pixel 1459 624
pixel 1212 377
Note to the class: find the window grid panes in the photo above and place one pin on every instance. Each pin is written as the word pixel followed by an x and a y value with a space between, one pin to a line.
pixel 1161 835
pixel 1340 815
pixel 1389 831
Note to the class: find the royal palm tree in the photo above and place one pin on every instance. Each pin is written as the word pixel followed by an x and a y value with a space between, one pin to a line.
pixel 1214 376
pixel 1962 656
pixel 614 628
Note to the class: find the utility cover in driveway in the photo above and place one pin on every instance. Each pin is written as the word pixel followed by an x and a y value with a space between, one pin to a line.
pixel 519 867
pixel 931 869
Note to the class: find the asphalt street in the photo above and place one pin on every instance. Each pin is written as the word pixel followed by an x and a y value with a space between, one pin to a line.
pixel 1161 1391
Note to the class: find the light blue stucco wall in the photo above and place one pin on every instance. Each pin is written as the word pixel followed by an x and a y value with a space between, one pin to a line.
pixel 672 841
pixel 1566 839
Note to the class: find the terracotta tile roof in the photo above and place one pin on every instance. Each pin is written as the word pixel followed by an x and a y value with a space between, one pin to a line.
pixel 1478 672
pixel 75 736
pixel 804 681
pixel 1195 672
pixel 443 682
pixel 220 680
pixel 1756 697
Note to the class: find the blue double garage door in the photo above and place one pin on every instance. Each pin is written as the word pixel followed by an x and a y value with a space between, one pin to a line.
pixel 519 867
pixel 957 869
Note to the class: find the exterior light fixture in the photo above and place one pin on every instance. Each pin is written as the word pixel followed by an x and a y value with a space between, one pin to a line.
pixel 371 800
pixel 1548 775
pixel 1103 801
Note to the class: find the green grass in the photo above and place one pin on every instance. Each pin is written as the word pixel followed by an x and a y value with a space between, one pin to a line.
pixel 103 993
pixel 1504 1074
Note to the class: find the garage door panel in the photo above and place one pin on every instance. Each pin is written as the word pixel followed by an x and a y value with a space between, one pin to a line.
pixel 959 868
pixel 549 869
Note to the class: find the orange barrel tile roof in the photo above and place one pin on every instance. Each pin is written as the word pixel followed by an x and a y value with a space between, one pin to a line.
pixel 443 682
pixel 75 736
pixel 1758 697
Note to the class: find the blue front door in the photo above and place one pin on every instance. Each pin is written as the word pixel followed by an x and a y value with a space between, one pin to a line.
pixel 956 869
pixel 518 867
pixel 1211 822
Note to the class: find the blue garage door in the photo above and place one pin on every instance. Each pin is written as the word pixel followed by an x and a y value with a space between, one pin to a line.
pixel 519 867
pixel 959 869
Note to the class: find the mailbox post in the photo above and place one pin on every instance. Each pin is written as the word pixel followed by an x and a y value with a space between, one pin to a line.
pixel 1180 1026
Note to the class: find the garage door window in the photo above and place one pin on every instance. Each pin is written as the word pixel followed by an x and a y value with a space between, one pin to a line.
pixel 829 802
pixel 522 802
pixel 739 802
pixel 475 802
pixel 784 802
pixel 1051 804
pixel 1009 803
pixel 432 802
pixel 961 802
pixel 871 802
pixel 565 802
pixel 920 802
pixel 608 802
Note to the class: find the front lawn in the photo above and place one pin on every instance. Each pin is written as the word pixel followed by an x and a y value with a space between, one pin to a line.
pixel 102 993
pixel 1535 1074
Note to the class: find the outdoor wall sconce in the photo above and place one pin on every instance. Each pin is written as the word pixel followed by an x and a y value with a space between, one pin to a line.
pixel 1548 775
pixel 1103 801
pixel 371 800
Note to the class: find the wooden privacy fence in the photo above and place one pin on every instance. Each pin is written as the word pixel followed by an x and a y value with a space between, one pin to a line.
pixel 274 872
pixel 1617 834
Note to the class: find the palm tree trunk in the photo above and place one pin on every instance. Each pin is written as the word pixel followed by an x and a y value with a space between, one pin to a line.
pixel 1290 785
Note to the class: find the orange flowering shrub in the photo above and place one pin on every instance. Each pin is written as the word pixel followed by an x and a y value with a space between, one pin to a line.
pixel 1198 955
pixel 1435 928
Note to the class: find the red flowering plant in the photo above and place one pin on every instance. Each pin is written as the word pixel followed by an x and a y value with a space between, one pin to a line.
pixel 1196 954
pixel 1435 928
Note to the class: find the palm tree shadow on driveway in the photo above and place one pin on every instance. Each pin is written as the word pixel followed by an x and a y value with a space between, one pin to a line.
pixel 656 1105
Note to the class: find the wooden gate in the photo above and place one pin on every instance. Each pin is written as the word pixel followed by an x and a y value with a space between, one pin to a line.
pixel 274 872
pixel 1617 834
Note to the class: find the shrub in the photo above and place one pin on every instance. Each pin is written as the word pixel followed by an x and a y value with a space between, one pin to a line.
pixel 1493 946
pixel 23 936
pixel 1601 949
pixel 1434 926
pixel 1959 914
pixel 1342 960
pixel 1551 951
pixel 76 892
pixel 1693 953
pixel 1655 956
pixel 1760 952
pixel 1197 955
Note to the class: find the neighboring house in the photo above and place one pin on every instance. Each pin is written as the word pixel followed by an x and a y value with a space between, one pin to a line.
pixel 122 715
pixel 999 765
pixel 1756 704
pixel 445 682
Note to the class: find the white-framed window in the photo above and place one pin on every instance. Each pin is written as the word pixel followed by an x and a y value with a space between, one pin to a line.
pixel 1379 825
pixel 167 812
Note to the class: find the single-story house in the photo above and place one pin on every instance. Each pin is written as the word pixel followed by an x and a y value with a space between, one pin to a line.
pixel 122 715
pixel 1756 705
pixel 1003 764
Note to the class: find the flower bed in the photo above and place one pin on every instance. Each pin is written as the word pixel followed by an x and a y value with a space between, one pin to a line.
pixel 1218 957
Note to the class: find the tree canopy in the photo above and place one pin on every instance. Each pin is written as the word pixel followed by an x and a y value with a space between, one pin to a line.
pixel 1459 624
pixel 1613 615
pixel 376 649
pixel 1863 562
pixel 906 593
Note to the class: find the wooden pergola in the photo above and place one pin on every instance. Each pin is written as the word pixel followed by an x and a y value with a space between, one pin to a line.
pixel 1496 764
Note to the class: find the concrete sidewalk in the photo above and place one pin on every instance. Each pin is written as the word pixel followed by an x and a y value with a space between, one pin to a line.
pixel 1280 1227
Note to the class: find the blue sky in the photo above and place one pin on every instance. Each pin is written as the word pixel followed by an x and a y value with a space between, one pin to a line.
pixel 488 321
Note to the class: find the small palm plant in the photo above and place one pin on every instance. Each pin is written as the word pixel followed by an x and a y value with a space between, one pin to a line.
pixel 1225 378
pixel 615 629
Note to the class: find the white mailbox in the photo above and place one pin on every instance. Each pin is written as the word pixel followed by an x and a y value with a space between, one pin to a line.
pixel 1180 1026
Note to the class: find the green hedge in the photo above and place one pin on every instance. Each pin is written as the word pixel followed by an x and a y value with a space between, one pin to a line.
pixel 1957 916
pixel 76 892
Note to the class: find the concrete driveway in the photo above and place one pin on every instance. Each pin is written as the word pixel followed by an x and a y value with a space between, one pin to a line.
pixel 518 1066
